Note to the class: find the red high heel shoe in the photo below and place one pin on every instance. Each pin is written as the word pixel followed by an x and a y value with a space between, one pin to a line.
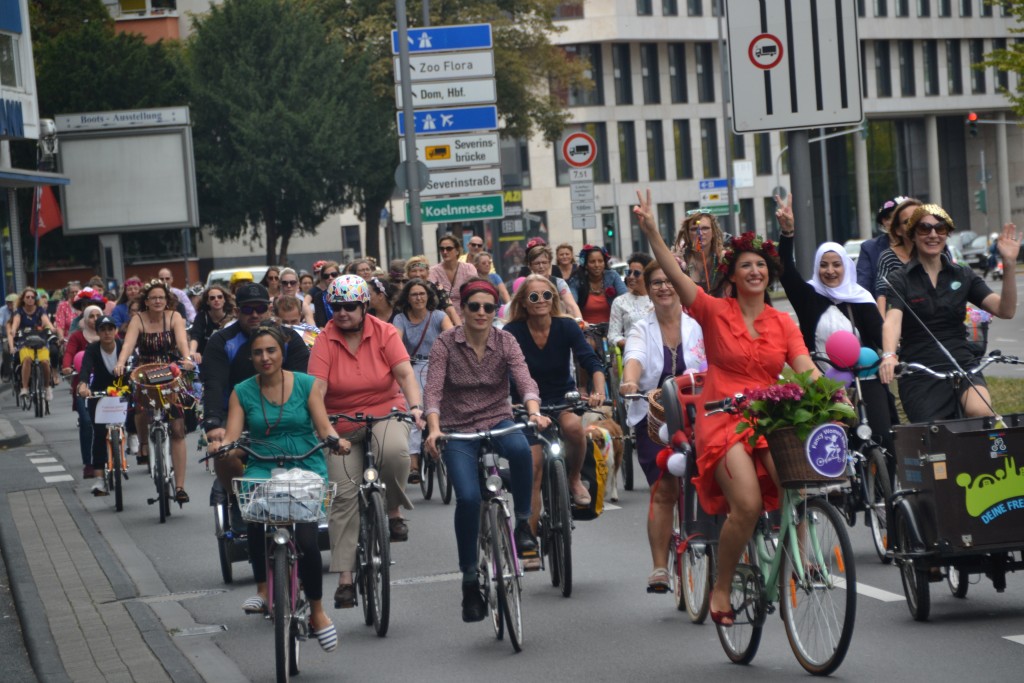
pixel 719 617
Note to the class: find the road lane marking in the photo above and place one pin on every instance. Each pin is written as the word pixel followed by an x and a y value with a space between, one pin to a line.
pixel 435 578
pixel 872 592
pixel 51 468
pixel 58 477
pixel 43 461
pixel 1017 639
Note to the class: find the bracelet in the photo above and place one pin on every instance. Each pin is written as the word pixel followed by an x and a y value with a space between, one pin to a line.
pixel 787 234
pixel 418 406
pixel 887 354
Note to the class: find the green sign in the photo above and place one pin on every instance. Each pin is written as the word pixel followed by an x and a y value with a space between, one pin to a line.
pixel 720 209
pixel 451 209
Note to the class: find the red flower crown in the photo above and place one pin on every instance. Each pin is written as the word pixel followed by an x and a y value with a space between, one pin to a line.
pixel 748 241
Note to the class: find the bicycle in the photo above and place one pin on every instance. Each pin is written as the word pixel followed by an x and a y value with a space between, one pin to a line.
pixel 156 384
pixel 810 574
pixel 432 469
pixel 36 398
pixel 499 570
pixel 112 411
pixel 279 505
pixel 373 552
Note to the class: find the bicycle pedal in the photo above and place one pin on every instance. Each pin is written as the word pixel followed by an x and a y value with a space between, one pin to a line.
pixel 660 590
pixel 532 564
pixel 150 501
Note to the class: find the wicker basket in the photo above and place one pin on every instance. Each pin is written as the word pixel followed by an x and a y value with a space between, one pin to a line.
pixel 158 395
pixel 790 456
pixel 655 416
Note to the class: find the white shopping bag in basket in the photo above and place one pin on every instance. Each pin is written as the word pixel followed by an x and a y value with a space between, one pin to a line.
pixel 294 495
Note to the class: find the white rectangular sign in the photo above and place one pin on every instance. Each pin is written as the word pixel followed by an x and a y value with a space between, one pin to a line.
pixel 454 151
pixel 578 174
pixel 584 222
pixel 794 64
pixel 463 182
pixel 450 93
pixel 581 192
pixel 583 208
pixel 445 66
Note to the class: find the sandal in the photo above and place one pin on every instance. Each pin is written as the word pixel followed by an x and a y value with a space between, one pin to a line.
pixel 345 596
pixel 180 497
pixel 327 637
pixel 255 605
pixel 143 456
pixel 414 476
pixel 658 581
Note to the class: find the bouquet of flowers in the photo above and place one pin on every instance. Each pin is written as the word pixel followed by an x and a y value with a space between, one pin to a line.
pixel 795 401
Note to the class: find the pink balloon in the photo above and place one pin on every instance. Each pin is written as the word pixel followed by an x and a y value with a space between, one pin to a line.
pixel 77 361
pixel 843 349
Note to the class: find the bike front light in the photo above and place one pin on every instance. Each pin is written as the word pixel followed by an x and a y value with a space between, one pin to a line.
pixel 493 483
pixel 556 448
pixel 281 536
pixel 370 475
pixel 863 432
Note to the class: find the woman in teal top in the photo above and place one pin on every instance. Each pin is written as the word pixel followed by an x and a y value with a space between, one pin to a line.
pixel 280 410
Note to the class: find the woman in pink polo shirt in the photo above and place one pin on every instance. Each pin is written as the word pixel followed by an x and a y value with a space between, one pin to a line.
pixel 361 366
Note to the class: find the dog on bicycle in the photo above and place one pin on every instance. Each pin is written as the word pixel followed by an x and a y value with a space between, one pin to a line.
pixel 607 434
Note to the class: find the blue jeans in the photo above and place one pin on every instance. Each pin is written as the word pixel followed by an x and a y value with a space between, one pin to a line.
pixel 461 459
pixel 84 429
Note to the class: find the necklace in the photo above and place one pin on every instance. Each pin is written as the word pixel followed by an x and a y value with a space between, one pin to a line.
pixel 263 407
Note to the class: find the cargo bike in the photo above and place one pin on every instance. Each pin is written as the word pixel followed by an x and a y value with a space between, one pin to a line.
pixel 958 507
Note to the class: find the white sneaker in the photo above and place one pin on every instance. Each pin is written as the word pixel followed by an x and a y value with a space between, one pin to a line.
pixel 133 443
pixel 23 392
pixel 49 393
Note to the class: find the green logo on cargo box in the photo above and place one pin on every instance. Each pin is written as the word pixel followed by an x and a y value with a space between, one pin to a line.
pixel 991 496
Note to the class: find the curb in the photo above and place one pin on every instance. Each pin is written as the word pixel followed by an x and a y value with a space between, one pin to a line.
pixel 18 436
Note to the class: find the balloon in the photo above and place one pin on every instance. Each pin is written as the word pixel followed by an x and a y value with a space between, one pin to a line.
pixel 677 464
pixel 843 349
pixel 867 359
pixel 663 433
pixel 839 375
pixel 77 361
pixel 662 458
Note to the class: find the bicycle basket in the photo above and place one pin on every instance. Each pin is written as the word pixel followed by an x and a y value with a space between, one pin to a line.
pixel 156 382
pixel 655 416
pixel 793 461
pixel 284 501
pixel 35 342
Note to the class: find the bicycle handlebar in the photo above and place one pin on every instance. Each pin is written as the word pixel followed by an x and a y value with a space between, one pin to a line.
pixel 729 404
pixel 483 434
pixel 243 445
pixel 994 357
pixel 369 420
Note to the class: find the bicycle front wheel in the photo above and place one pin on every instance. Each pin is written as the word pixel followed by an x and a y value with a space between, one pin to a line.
pixel 485 572
pixel 115 460
pixel 379 560
pixel 444 484
pixel 879 491
pixel 426 477
pixel 157 440
pixel 506 580
pixel 819 609
pixel 282 615
pixel 561 526
pixel 37 389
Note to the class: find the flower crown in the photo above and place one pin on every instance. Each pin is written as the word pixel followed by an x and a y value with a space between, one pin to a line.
pixel 587 248
pixel 748 241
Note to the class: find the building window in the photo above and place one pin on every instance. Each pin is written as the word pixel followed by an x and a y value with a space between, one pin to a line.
pixel 945 8
pixel 881 8
pixel 683 145
pixel 746 216
pixel 883 69
pixel 655 151
pixel 924 8
pixel 716 8
pixel 705 72
pixel 644 8
pixel 649 73
pixel 986 9
pixel 965 8
pixel 771 227
pixel 861 9
pixel 954 68
pixel 670 8
pixel 667 221
pixel 695 8
pixel 1002 77
pixel 763 153
pixel 709 147
pixel 622 73
pixel 739 147
pixel 598 131
pixel 580 97
pixel 573 9
pixel 930 49
pixel 977 55
pixel 10 61
pixel 784 158
pixel 627 152
pixel 863 70
pixel 677 72
pixel 1006 9
pixel 515 163
pixel 906 50
pixel 902 8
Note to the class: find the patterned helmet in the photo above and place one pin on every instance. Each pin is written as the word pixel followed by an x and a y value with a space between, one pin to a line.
pixel 348 288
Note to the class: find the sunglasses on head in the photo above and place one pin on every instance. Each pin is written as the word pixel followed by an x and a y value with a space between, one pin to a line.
pixel 328 276
pixel 534 297
pixel 250 309
pixel 347 306
pixel 475 307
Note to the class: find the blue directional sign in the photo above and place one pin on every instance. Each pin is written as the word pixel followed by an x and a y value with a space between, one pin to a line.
pixel 714 184
pixel 444 38
pixel 456 120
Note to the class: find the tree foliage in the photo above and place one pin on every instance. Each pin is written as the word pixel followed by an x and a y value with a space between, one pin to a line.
pixel 1011 58
pixel 273 121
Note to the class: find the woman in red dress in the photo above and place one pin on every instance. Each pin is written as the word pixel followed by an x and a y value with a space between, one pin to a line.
pixel 747 343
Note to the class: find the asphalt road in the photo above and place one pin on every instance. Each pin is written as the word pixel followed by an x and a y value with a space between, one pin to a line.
pixel 608 630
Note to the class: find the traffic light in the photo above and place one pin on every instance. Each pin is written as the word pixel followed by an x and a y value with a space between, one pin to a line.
pixel 981 200
pixel 972 124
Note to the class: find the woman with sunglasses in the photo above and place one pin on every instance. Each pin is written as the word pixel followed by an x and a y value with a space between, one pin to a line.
pixel 664 343
pixel 361 366
pixel 468 389
pixel 595 286
pixel 30 317
pixel 77 343
pixel 159 336
pixel 700 244
pixel 216 309
pixel 539 260
pixel 290 286
pixel 927 304
pixel 549 339
pixel 420 324
pixel 316 297
pixel 272 281
pixel 450 274
pixel 896 255
pixel 632 306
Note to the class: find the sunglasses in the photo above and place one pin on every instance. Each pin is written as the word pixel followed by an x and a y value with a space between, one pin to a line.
pixel 475 306
pixel 289 283
pixel 347 306
pixel 634 273
pixel 328 276
pixel 941 229
pixel 476 244
pixel 216 297
pixel 446 249
pixel 534 297
pixel 257 309
pixel 272 278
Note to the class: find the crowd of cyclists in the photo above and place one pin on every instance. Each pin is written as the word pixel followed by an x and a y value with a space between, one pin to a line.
pixel 455 345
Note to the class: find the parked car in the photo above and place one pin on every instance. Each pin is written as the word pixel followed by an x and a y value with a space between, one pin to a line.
pixel 853 248
pixel 223 275
pixel 976 253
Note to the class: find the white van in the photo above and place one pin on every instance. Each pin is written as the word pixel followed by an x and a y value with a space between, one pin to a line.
pixel 223 275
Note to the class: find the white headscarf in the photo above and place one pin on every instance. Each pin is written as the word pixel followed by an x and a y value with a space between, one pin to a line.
pixel 89 331
pixel 848 291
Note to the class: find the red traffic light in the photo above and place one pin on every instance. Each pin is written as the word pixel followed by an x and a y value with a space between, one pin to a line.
pixel 972 117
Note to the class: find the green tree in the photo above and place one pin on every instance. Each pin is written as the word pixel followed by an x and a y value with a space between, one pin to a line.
pixel 532 73
pixel 272 121
pixel 1012 58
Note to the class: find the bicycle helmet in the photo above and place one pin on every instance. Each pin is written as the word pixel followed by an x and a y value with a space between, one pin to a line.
pixel 348 288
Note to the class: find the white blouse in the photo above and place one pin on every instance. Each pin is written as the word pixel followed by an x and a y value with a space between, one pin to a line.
pixel 645 345
pixel 626 310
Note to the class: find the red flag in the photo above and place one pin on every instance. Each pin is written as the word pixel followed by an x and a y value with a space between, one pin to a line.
pixel 45 212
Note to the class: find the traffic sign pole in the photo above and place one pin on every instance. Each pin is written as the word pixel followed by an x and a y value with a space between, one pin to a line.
pixel 416 222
